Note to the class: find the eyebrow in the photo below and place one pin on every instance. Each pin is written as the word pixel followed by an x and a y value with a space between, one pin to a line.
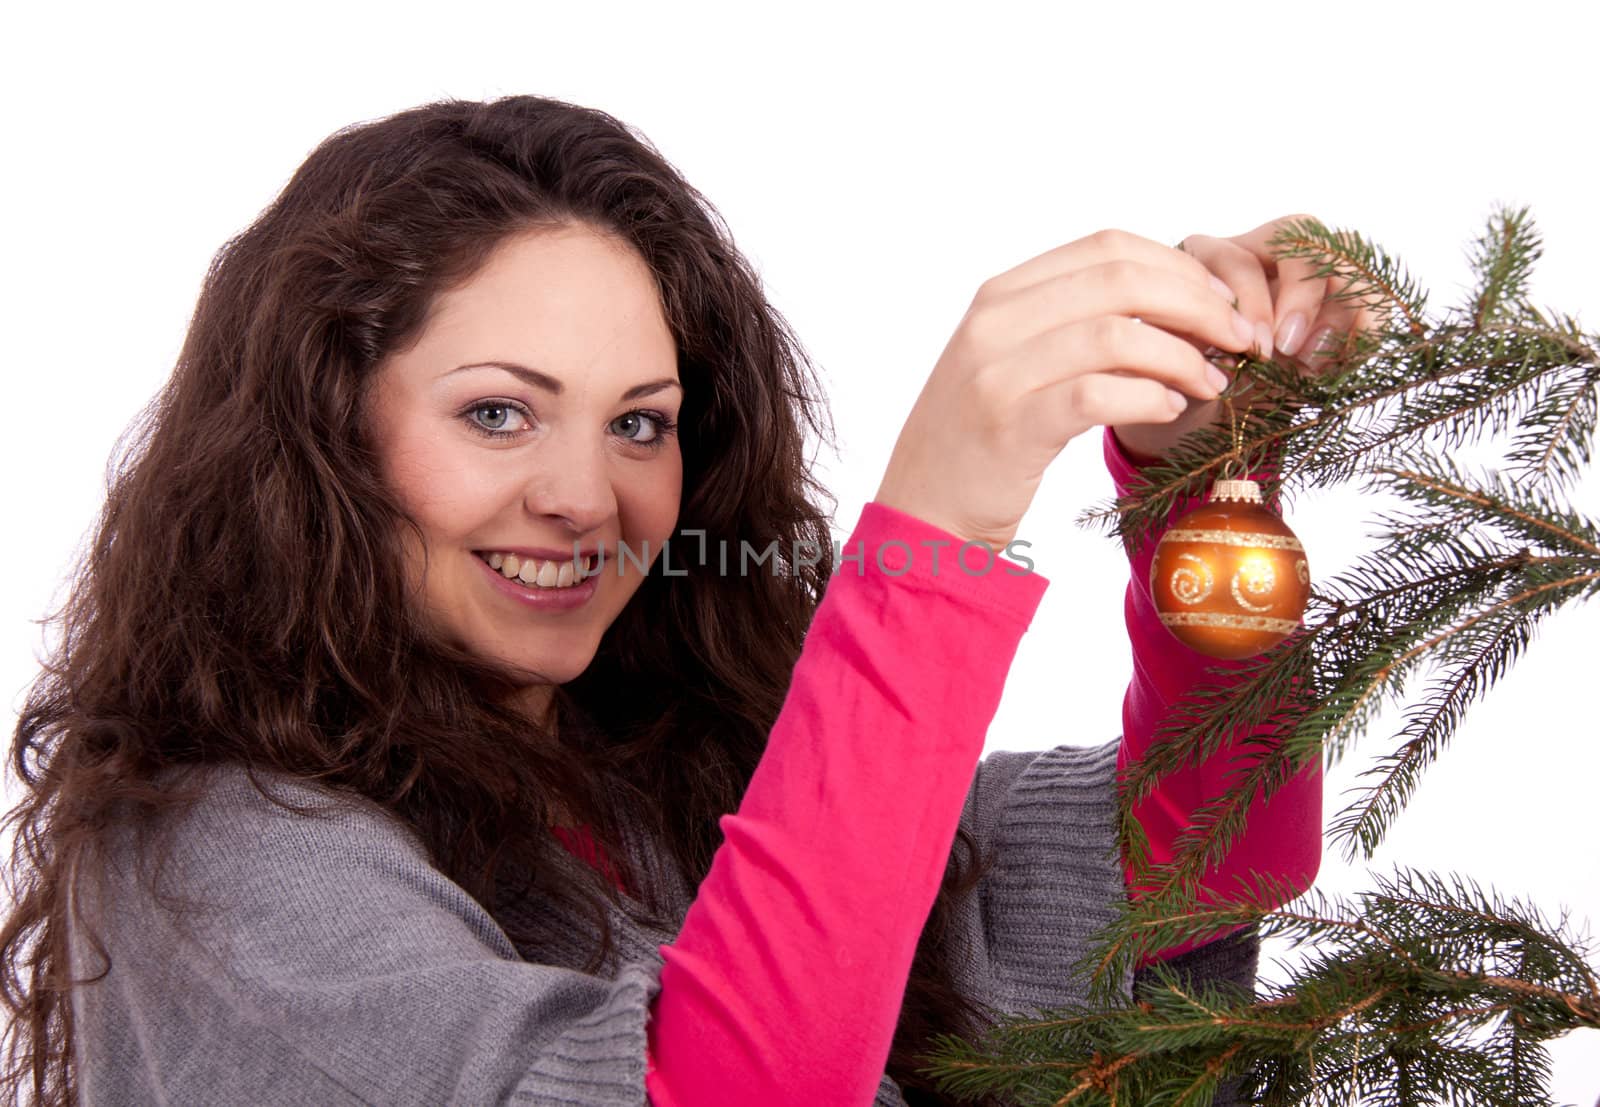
pixel 534 378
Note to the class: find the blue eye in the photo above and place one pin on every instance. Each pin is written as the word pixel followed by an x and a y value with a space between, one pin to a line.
pixel 496 418
pixel 664 427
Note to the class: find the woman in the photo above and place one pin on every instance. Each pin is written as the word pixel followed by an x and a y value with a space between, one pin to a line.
pixel 391 752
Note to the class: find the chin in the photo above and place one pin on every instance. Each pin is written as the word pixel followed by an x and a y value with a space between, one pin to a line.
pixel 543 668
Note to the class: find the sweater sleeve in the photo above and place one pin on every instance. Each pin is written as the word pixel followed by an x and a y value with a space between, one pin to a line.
pixel 1283 834
pixel 325 960
pixel 785 983
pixel 1046 820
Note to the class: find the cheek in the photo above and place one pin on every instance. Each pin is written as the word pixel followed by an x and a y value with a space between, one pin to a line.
pixel 655 503
pixel 447 492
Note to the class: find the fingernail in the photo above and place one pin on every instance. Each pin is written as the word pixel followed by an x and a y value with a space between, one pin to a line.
pixel 1218 379
pixel 1290 334
pixel 1177 400
pixel 1242 327
pixel 1223 290
pixel 1313 347
pixel 1263 340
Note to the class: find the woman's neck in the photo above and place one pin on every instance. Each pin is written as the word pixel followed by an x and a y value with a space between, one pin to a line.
pixel 537 703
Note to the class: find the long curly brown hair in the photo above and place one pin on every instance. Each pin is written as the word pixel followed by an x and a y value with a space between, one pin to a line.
pixel 251 475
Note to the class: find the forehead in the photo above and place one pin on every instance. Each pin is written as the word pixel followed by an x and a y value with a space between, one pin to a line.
pixel 571 300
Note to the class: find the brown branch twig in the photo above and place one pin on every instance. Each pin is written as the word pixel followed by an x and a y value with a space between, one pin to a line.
pixel 1455 491
pixel 1375 281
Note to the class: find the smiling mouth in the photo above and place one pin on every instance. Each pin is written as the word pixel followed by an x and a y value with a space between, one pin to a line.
pixel 538 573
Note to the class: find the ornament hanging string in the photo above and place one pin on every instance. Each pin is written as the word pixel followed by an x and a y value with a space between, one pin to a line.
pixel 1234 467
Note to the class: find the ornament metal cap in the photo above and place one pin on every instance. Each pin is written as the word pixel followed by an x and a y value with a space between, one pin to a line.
pixel 1242 491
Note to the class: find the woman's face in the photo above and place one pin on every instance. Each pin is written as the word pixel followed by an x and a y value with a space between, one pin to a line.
pixel 528 417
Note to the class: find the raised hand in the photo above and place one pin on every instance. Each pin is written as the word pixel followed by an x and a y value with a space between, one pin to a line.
pixel 1293 314
pixel 1097 331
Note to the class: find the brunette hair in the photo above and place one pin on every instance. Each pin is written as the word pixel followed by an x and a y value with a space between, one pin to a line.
pixel 251 475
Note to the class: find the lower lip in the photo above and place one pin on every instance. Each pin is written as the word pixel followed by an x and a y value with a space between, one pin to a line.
pixel 542 599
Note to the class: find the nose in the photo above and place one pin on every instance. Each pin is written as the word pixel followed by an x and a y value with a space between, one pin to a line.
pixel 571 488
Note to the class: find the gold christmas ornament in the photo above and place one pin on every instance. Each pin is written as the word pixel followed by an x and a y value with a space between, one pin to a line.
pixel 1230 578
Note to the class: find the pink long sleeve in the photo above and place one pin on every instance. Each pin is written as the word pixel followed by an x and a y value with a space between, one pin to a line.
pixel 784 984
pixel 1283 836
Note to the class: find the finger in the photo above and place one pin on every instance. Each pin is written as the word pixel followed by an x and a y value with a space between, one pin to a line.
pixel 1096 249
pixel 1298 292
pixel 1108 399
pixel 1121 288
pixel 1243 272
pixel 1330 331
pixel 1298 301
pixel 1109 344
pixel 1257 240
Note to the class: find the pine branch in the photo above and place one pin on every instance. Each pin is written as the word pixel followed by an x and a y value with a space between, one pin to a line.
pixel 1440 595
pixel 1503 258
pixel 1369 276
pixel 1455 384
pixel 1492 502
pixel 1364 823
pixel 1425 991
pixel 1424 597
pixel 1417 992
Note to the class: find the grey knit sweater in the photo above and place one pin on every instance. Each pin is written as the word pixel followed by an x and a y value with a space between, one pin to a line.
pixel 338 967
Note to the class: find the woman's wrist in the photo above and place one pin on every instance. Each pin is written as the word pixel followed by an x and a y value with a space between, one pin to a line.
pixel 1131 449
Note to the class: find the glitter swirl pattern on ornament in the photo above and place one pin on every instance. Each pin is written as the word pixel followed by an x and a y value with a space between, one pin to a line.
pixel 1256 578
pixel 1189 585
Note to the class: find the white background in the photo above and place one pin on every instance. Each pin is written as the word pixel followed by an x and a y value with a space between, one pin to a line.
pixel 877 163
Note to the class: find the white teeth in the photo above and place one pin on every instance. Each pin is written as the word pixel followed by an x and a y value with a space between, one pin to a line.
pixel 542 574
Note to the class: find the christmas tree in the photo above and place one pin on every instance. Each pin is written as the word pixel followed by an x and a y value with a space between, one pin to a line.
pixel 1427 989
